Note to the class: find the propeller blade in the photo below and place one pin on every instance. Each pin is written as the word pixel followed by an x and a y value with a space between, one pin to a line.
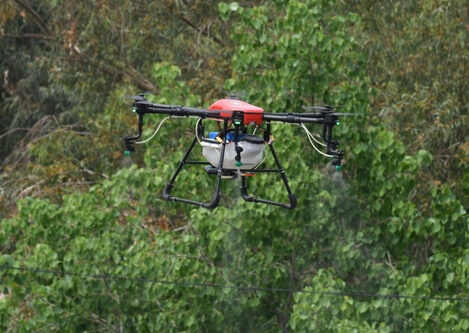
pixel 344 114
pixel 135 98
pixel 329 110
pixel 321 108
pixel 139 97
pixel 326 108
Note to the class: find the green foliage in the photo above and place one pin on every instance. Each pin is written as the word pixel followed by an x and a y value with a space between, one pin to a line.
pixel 379 248
pixel 65 69
pixel 297 55
pixel 114 230
pixel 418 64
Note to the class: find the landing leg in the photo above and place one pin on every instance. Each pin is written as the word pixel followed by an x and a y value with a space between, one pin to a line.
pixel 291 196
pixel 216 196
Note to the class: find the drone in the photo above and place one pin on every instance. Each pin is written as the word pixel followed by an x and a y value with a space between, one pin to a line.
pixel 232 152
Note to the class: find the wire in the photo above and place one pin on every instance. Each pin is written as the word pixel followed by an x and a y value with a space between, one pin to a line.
pixel 312 136
pixel 240 288
pixel 255 129
pixel 157 129
pixel 265 153
pixel 196 130
pixel 308 133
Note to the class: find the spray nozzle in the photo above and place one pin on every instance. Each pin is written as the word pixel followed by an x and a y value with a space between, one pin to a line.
pixel 337 161
pixel 128 146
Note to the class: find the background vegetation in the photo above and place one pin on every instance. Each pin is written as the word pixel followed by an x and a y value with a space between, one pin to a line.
pixel 89 245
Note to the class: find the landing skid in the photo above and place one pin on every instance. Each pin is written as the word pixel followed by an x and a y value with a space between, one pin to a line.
pixel 222 173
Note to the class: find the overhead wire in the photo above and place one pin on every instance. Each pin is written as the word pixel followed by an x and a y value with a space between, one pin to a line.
pixel 236 287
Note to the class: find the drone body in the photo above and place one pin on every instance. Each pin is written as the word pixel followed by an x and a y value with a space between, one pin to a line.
pixel 232 152
pixel 252 114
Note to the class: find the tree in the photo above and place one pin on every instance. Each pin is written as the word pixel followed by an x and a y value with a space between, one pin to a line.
pixel 260 247
pixel 139 263
pixel 66 67
pixel 418 65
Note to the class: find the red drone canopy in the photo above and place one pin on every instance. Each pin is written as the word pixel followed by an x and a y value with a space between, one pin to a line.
pixel 252 113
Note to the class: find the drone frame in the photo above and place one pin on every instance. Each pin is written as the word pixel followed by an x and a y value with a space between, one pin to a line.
pixel 237 117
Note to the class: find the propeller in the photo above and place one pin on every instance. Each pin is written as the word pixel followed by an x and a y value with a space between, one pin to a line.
pixel 343 114
pixel 139 97
pixel 143 102
pixel 136 98
pixel 230 94
pixel 326 108
pixel 329 110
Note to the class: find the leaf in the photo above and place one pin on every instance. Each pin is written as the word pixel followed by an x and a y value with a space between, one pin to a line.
pixel 224 10
pixel 450 277
pixel 424 157
pixel 362 307
pixel 234 6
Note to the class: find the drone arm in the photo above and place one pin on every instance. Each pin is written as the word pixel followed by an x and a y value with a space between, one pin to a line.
pixel 179 111
pixel 140 128
pixel 129 140
pixel 142 107
pixel 331 146
pixel 172 110
pixel 294 118
pixel 328 121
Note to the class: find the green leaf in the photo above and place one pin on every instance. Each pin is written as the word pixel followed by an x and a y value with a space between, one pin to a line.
pixel 234 6
pixel 362 307
pixel 450 277
pixel 224 10
pixel 424 157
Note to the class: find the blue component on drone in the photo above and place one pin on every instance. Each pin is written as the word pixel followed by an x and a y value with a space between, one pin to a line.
pixel 229 136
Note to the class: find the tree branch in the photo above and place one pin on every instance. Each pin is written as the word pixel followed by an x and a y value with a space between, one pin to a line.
pixel 199 30
pixel 16 130
pixel 42 25
pixel 29 35
pixel 130 73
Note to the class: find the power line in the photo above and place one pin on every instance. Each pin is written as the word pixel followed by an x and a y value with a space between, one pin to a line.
pixel 236 287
